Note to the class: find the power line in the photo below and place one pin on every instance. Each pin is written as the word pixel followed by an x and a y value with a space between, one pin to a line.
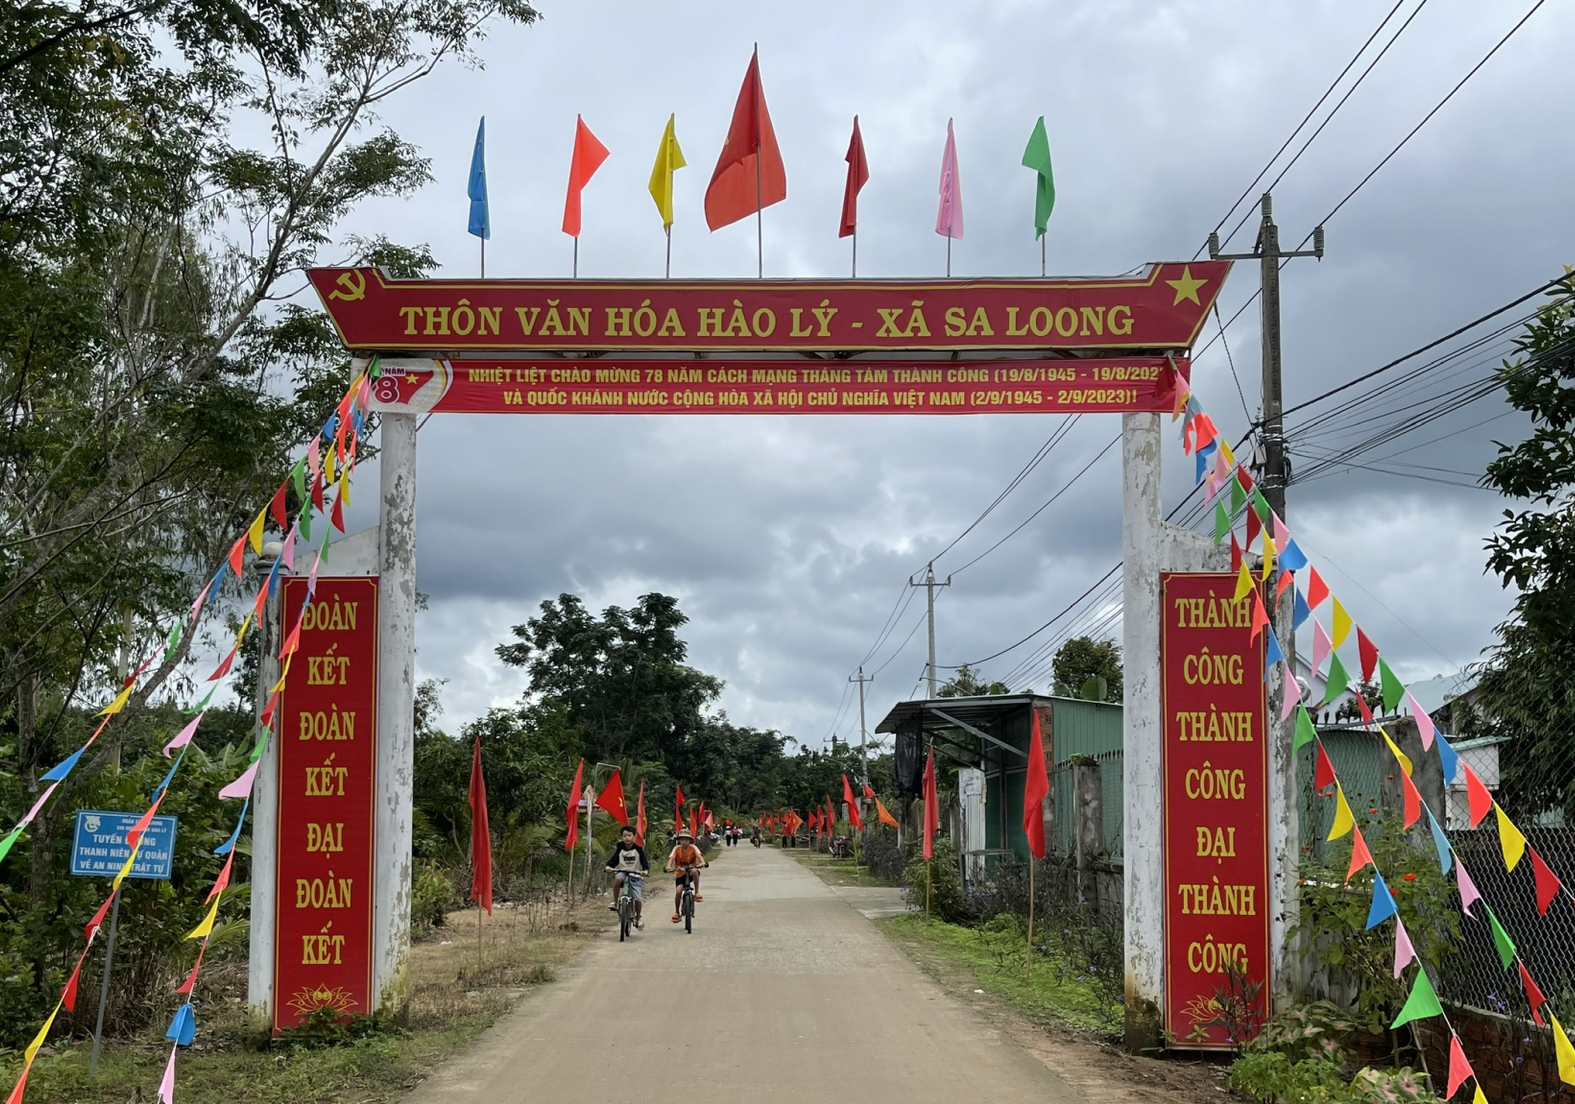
pixel 1250 188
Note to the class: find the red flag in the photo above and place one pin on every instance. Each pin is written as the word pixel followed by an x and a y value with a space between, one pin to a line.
pixel 869 791
pixel 814 821
pixel 932 812
pixel 337 514
pixel 694 828
pixel 611 799
pixel 749 174
pixel 1459 1068
pixel 277 507
pixel 858 176
pixel 1368 652
pixel 574 809
pixel 588 157
pixel 678 807
pixel 853 806
pixel 1235 552
pixel 317 492
pixel 884 815
pixel 1533 995
pixel 1253 525
pixel 1323 773
pixel 480 837
pixel 1036 787
pixel 1547 882
pixel 639 816
pixel 1317 589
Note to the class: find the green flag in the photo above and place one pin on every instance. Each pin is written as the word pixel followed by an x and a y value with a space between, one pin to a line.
pixel 1037 157
pixel 1221 523
pixel 1422 1003
pixel 1260 505
pixel 1305 732
pixel 1339 679
pixel 298 477
pixel 1393 688
pixel 1238 497
pixel 8 841
pixel 1501 940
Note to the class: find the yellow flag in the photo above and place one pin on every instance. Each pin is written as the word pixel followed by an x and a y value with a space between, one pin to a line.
pixel 1268 554
pixel 328 466
pixel 669 159
pixel 344 486
pixel 125 869
pixel 1565 1051
pixel 1477 1097
pixel 1510 839
pixel 1342 624
pixel 1243 582
pixel 1230 457
pixel 254 534
pixel 205 929
pixel 118 704
pixel 38 1040
pixel 1400 757
pixel 278 686
pixel 1343 820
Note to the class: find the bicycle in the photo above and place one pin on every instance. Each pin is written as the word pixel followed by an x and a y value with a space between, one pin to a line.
pixel 687 905
pixel 626 905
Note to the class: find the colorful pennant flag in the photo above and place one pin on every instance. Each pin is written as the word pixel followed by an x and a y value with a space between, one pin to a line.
pixel 1422 1003
pixel 1404 952
pixel 1037 157
pixel 1547 882
pixel 1511 841
pixel 669 159
pixel 949 214
pixel 588 156
pixel 1383 906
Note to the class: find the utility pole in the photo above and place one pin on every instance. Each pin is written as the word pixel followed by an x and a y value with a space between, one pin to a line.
pixel 1274 474
pixel 1276 469
pixel 864 753
pixel 929 586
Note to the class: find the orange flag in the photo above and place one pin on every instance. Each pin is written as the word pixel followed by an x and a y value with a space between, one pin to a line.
pixel 588 157
pixel 639 816
pixel 853 806
pixel 749 174
pixel 883 815
pixel 574 809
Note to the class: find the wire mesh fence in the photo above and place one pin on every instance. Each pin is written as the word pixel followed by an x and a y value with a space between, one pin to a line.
pixel 1475 975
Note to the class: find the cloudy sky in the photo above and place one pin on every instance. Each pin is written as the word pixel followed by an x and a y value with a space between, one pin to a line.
pixel 789 541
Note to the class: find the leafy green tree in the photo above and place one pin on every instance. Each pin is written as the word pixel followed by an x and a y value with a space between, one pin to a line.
pixel 1083 659
pixel 620 678
pixel 966 683
pixel 1525 692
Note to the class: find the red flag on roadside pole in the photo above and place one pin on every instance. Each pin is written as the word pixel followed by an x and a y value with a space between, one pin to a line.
pixel 678 807
pixel 932 812
pixel 694 828
pixel 853 805
pixel 588 156
pixel 480 837
pixel 883 814
pixel 858 176
pixel 1036 787
pixel 869 791
pixel 639 816
pixel 574 809
pixel 749 174
pixel 611 799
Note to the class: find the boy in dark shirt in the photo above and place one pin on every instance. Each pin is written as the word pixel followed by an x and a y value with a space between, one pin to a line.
pixel 628 861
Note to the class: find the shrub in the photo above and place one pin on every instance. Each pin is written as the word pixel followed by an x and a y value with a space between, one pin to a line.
pixel 1272 1076
pixel 941 880
pixel 432 892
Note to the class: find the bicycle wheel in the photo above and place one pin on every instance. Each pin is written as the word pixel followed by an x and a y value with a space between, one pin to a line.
pixel 623 918
pixel 689 912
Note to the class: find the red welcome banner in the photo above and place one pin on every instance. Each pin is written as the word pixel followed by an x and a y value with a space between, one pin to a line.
pixel 1216 803
pixel 1163 308
pixel 327 783
pixel 740 386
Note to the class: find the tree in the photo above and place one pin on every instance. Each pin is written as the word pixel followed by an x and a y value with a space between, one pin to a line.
pixel 1082 659
pixel 1525 693
pixel 1371 693
pixel 620 679
pixel 966 683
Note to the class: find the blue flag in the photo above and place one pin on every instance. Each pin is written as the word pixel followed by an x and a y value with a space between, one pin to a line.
pixel 1383 906
pixel 480 220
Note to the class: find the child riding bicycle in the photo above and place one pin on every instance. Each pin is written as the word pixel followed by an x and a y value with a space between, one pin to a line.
pixel 628 862
pixel 686 859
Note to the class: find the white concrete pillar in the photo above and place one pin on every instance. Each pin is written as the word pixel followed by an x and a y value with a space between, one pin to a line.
pixel 1143 732
pixel 396 694
pixel 265 829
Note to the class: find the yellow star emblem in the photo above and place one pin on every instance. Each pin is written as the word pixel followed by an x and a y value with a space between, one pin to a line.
pixel 1186 287
pixel 410 377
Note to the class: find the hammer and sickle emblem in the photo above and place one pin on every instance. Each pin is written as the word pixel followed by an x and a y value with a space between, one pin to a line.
pixel 353 284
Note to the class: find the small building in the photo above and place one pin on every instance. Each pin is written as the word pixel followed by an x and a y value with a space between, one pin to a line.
pixel 989 735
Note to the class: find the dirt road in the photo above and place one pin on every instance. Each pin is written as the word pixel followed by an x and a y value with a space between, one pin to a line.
pixel 784 991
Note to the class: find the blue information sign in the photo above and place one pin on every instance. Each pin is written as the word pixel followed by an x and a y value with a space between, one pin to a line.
pixel 99 848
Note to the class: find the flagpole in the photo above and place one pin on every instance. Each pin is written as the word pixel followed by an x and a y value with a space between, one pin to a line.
pixel 855 236
pixel 1029 960
pixel 483 258
pixel 948 254
pixel 1041 254
pixel 667 273
pixel 760 233
pixel 576 269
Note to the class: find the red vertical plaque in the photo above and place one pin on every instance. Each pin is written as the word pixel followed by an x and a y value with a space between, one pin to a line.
pixel 1216 807
pixel 327 781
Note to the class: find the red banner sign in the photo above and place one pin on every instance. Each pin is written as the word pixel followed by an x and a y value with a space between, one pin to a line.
pixel 327 781
pixel 724 386
pixel 1216 805
pixel 1163 308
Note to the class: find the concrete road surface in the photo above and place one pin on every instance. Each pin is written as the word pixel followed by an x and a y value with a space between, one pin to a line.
pixel 785 991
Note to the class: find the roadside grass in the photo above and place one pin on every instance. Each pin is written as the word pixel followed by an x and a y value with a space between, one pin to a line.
pixel 458 991
pixel 833 871
pixel 995 960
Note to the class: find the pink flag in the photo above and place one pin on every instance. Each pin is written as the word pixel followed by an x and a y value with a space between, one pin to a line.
pixel 1282 535
pixel 1468 888
pixel 183 737
pixel 311 580
pixel 949 218
pixel 167 1086
pixel 287 555
pixel 1321 645
pixel 1292 695
pixel 1404 952
pixel 242 786
pixel 1424 723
